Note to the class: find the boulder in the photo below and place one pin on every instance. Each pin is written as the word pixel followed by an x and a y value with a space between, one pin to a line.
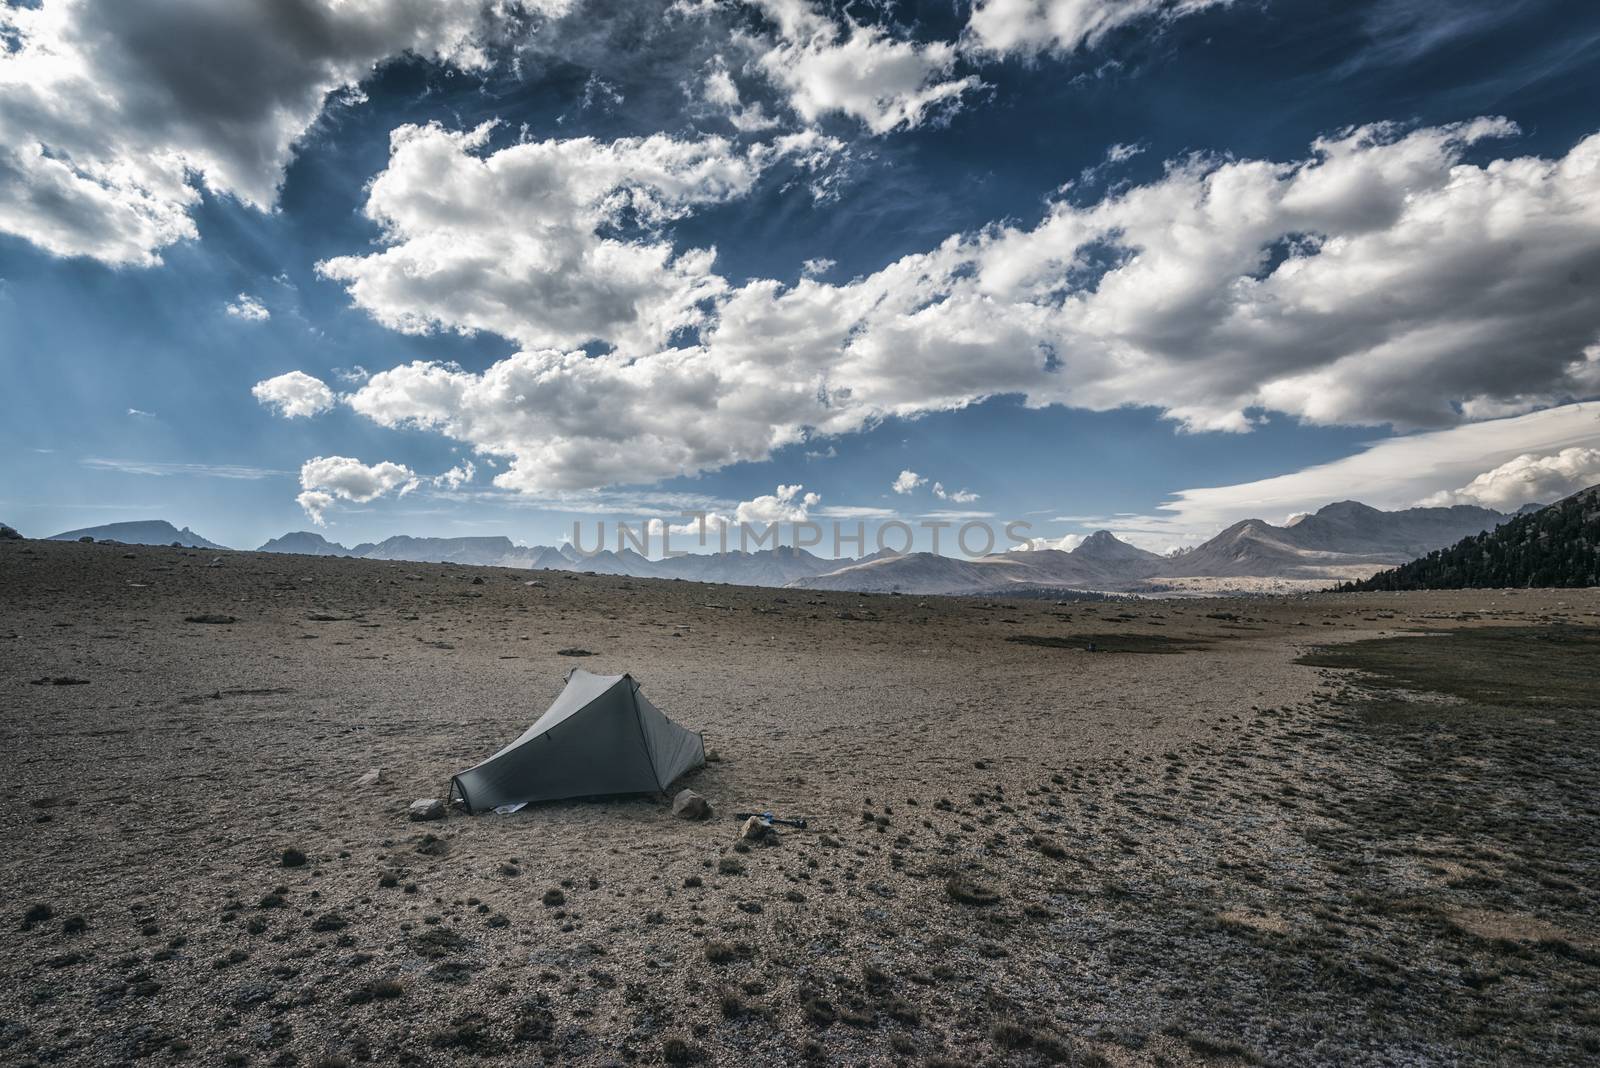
pixel 426 808
pixel 689 805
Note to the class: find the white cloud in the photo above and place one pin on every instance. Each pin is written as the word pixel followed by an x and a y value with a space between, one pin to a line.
pixel 510 241
pixel 960 496
pixel 1032 26
pixel 324 479
pixel 316 505
pixel 249 309
pixel 701 527
pixel 294 394
pixel 863 73
pixel 784 505
pixel 1383 279
pixel 721 92
pixel 113 114
pixel 140 413
pixel 813 267
pixel 907 481
pixel 713 522
pixel 1527 479
pixel 457 476
pixel 1065 543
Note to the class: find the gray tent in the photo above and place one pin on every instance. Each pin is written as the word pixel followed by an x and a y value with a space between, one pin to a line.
pixel 601 736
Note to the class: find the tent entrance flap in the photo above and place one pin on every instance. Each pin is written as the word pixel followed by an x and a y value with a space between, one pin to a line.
pixel 601 735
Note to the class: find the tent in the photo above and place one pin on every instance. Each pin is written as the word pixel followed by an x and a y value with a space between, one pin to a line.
pixel 601 736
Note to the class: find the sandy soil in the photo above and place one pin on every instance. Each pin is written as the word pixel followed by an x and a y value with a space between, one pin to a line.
pixel 1018 852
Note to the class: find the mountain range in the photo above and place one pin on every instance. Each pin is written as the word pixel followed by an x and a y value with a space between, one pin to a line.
pixel 1343 541
pixel 140 532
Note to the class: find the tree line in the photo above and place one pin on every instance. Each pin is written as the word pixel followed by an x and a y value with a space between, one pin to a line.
pixel 1558 546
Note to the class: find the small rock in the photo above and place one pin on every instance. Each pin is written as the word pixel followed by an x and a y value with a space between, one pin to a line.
pixel 758 831
pixel 210 617
pixel 293 858
pixel 426 808
pixel 573 652
pixel 477 580
pixel 372 778
pixel 689 805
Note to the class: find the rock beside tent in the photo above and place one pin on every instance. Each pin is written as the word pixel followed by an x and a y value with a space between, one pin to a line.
pixel 425 809
pixel 689 805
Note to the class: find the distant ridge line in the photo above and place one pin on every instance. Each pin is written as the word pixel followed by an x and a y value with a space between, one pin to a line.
pixel 1342 542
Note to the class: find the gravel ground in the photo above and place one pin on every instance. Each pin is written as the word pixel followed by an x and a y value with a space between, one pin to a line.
pixel 1183 847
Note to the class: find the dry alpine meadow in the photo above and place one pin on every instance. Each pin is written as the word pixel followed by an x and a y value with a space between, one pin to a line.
pixel 1353 829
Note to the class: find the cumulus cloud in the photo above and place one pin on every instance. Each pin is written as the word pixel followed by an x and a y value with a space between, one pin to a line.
pixel 457 476
pixel 960 496
pixel 786 504
pixel 1527 479
pixel 324 479
pixel 1066 543
pixel 1329 289
pixel 249 309
pixel 783 505
pixel 907 481
pixel 721 92
pixel 316 505
pixel 860 71
pixel 1028 27
pixel 113 116
pixel 700 527
pixel 510 241
pixel 294 394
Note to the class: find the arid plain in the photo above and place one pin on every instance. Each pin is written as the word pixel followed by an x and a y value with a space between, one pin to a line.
pixel 1319 829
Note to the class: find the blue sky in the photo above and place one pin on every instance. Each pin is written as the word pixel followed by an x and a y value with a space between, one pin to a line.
pixel 1139 265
